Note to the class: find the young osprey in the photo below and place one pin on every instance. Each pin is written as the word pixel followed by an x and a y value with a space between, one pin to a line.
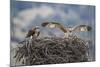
pixel 67 31
pixel 34 32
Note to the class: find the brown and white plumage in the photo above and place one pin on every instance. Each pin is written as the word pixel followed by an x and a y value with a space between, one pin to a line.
pixel 67 31
pixel 54 25
pixel 34 32
pixel 82 28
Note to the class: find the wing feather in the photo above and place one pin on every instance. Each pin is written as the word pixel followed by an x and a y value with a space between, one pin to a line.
pixel 54 25
pixel 30 33
pixel 82 28
pixel 61 27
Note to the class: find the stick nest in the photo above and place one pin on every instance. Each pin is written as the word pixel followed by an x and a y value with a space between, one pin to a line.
pixel 51 51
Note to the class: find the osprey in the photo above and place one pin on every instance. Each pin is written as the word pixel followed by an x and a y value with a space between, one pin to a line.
pixel 67 31
pixel 34 32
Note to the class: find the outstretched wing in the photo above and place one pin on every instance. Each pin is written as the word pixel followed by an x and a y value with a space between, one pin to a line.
pixel 82 28
pixel 61 27
pixel 54 25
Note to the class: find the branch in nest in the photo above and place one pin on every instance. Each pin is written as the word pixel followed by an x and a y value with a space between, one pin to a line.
pixel 51 51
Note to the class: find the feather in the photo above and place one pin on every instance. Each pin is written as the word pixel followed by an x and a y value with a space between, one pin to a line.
pixel 82 28
pixel 33 32
pixel 30 33
pixel 54 25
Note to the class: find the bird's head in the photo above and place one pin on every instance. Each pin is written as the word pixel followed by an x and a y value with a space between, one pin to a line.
pixel 44 24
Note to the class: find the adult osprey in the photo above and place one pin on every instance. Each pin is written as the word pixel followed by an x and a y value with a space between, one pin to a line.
pixel 34 32
pixel 67 31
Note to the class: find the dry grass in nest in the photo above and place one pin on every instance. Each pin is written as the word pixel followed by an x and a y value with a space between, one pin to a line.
pixel 51 51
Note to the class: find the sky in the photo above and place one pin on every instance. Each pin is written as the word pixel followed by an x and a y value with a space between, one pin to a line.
pixel 25 15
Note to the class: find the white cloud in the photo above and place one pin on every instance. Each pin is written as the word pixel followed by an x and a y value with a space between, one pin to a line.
pixel 30 14
pixel 73 14
pixel 23 19
pixel 45 11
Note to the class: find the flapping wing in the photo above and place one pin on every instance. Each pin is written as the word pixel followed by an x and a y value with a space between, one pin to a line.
pixel 61 27
pixel 82 28
pixel 54 25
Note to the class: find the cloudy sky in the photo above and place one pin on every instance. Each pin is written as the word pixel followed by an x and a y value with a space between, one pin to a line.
pixel 25 15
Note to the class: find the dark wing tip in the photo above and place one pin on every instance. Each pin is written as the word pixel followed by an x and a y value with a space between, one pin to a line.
pixel 44 24
pixel 89 28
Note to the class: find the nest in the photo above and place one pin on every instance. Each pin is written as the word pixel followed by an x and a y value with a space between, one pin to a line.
pixel 49 50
